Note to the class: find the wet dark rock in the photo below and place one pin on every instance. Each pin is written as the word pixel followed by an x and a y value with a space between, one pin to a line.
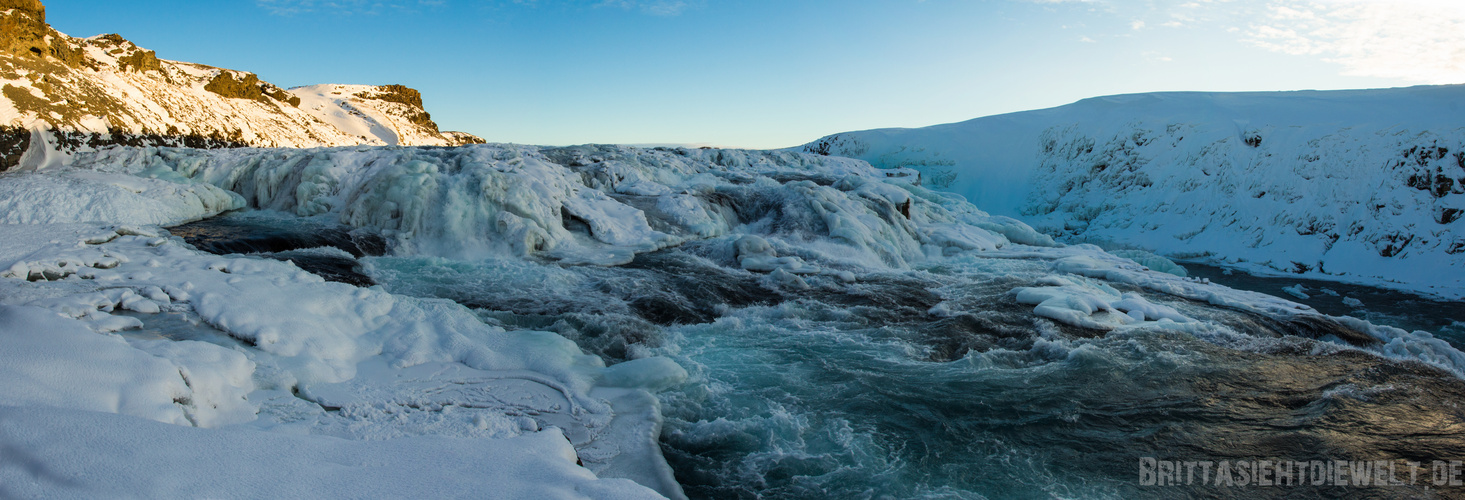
pixel 785 178
pixel 686 289
pixel 331 267
pixel 226 235
pixel 241 235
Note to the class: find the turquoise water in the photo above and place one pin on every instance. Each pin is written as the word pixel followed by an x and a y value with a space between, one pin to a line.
pixel 1444 318
pixel 862 390
pixel 812 400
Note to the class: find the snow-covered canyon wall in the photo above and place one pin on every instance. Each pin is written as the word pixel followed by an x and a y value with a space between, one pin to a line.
pixel 63 94
pixel 1364 185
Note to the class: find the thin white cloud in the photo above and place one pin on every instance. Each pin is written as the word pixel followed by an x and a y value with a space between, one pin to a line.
pixel 1412 40
pixel 293 7
pixel 1418 40
pixel 664 8
pixel 1158 57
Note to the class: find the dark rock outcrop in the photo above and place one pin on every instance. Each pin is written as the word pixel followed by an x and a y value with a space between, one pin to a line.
pixel 13 143
pixel 402 94
pixel 129 56
pixel 248 86
pixel 462 138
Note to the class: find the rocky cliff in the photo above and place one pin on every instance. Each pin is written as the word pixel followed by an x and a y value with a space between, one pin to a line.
pixel 61 94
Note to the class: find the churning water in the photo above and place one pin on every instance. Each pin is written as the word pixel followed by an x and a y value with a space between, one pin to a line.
pixel 935 382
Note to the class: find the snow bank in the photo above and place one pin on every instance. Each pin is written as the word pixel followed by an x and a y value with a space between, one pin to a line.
pixel 318 331
pixel 359 112
pixel 53 361
pixel 52 453
pixel 68 196
pixel 1365 186
pixel 125 320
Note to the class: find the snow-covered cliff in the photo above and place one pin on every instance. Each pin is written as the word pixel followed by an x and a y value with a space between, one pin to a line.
pixel 83 93
pixel 1364 185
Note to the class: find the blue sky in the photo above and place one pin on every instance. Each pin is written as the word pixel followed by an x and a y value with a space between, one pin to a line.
pixel 770 73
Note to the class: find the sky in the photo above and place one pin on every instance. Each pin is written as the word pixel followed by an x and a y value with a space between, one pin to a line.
pixel 779 73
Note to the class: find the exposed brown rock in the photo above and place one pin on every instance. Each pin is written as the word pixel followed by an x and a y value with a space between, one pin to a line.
pixel 13 143
pixel 248 86
pixel 282 95
pixel 462 138
pixel 397 93
pixel 129 55
pixel 23 32
pixel 402 94
pixel 32 7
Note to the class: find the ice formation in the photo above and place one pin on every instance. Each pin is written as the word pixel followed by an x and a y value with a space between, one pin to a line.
pixel 599 205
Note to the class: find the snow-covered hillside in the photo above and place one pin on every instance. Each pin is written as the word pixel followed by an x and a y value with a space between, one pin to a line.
pixel 88 92
pixel 1364 185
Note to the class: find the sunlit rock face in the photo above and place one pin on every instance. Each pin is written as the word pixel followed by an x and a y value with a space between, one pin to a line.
pixel 83 94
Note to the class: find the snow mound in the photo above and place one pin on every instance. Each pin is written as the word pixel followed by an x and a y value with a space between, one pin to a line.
pixel 69 366
pixel 1093 305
